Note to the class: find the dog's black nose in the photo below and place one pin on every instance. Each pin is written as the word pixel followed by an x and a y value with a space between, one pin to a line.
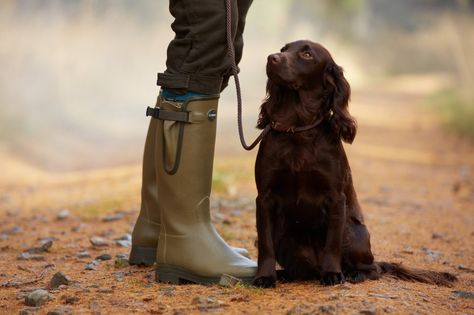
pixel 274 58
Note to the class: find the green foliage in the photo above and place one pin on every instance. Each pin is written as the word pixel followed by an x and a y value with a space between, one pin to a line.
pixel 346 5
pixel 455 110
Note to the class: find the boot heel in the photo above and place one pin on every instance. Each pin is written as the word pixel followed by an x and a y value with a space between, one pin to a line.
pixel 145 256
pixel 165 277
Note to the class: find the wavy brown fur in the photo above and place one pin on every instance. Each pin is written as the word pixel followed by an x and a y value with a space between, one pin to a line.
pixel 309 220
pixel 419 275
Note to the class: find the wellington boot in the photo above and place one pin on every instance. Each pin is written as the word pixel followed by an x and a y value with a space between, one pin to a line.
pixel 189 248
pixel 147 228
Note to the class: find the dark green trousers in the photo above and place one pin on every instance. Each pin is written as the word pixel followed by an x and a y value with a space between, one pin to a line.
pixel 197 58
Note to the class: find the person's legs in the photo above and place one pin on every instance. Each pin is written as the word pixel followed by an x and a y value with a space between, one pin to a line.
pixel 196 65
pixel 197 58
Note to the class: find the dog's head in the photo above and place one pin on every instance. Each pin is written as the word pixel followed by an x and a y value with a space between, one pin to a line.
pixel 301 68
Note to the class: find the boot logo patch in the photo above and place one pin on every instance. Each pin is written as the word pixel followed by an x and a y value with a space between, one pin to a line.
pixel 212 115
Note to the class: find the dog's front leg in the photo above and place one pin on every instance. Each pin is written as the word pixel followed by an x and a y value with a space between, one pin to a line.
pixel 331 258
pixel 266 273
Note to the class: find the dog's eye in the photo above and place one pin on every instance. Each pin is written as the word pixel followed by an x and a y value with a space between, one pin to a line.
pixel 306 55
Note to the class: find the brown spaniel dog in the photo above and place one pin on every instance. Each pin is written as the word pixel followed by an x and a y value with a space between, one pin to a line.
pixel 308 216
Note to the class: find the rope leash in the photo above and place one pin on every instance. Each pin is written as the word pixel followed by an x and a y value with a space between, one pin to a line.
pixel 231 52
pixel 273 125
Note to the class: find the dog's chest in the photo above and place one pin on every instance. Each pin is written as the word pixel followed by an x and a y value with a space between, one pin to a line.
pixel 301 197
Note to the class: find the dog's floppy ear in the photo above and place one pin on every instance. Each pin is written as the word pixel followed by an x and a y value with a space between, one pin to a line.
pixel 263 118
pixel 339 92
pixel 272 98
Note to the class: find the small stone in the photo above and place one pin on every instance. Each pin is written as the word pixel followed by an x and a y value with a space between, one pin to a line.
pixel 3 237
pixel 24 293
pixel 119 275
pixel 99 241
pixel 125 237
pixel 63 214
pixel 368 311
pixel 28 256
pixel 61 311
pixel 113 217
pixel 205 304
pixel 37 298
pixel 434 255
pixel 124 240
pixel 104 257
pixel 464 294
pixel 122 256
pixel 58 279
pixel 29 310
pixel 83 254
pixel 92 265
pixel 44 240
pixel 45 246
pixel 229 281
pixel 168 291
pixel 123 243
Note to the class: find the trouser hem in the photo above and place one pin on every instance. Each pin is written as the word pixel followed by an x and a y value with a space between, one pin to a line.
pixel 190 82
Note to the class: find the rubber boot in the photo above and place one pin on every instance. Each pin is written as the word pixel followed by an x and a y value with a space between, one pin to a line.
pixel 146 230
pixel 189 248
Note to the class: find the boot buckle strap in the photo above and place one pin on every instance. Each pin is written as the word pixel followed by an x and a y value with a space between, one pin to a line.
pixel 163 114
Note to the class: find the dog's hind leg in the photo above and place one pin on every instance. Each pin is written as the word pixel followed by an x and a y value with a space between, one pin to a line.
pixel 358 260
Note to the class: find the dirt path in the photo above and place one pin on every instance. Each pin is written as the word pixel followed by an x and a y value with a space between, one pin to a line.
pixel 415 184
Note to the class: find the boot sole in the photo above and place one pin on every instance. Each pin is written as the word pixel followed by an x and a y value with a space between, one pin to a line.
pixel 143 256
pixel 178 275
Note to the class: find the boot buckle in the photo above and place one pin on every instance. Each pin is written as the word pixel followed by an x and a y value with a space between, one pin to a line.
pixel 163 114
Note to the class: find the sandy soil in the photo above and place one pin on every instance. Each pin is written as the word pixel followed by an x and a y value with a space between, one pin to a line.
pixel 414 182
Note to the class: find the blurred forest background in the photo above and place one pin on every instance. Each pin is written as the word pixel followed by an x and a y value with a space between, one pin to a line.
pixel 76 75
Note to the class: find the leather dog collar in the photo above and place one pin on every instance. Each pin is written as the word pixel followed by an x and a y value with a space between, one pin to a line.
pixel 275 125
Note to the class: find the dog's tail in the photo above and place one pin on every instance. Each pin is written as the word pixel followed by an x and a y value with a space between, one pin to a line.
pixel 411 274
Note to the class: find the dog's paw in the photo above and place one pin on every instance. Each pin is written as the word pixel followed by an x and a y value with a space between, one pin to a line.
pixel 332 278
pixel 356 277
pixel 265 281
pixel 362 275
